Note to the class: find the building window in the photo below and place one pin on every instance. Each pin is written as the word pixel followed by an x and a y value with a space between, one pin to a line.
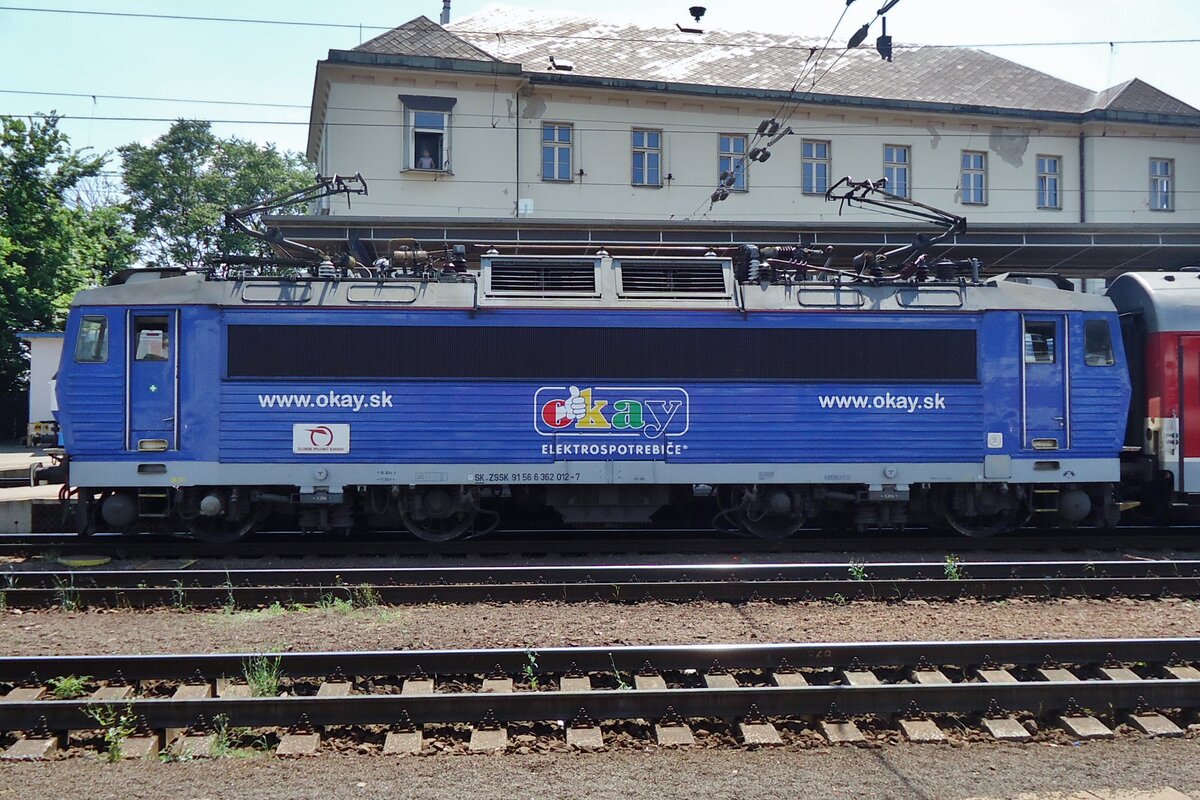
pixel 429 140
pixel 1049 175
pixel 815 177
pixel 974 177
pixel 896 161
pixel 427 132
pixel 556 151
pixel 731 160
pixel 1162 174
pixel 647 157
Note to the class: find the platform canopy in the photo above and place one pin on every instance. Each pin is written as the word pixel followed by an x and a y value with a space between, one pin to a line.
pixel 1071 250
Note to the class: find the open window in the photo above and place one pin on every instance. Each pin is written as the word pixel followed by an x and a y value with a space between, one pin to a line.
pixel 151 342
pixel 427 122
pixel 91 345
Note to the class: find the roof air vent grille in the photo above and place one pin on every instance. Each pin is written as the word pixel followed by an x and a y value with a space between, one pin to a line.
pixel 528 277
pixel 674 277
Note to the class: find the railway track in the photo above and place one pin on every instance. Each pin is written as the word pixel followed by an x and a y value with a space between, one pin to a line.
pixel 729 582
pixel 1012 689
pixel 583 542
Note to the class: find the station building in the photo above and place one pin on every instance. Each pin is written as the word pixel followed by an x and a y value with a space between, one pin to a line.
pixel 547 129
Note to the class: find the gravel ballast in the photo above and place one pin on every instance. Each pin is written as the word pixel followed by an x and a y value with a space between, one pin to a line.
pixel 584 624
pixel 903 772
pixel 970 769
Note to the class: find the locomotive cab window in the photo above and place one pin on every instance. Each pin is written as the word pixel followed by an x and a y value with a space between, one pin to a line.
pixel 1040 341
pixel 150 338
pixel 1097 344
pixel 91 346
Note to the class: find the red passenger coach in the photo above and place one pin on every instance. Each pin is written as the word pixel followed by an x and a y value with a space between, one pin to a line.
pixel 1160 323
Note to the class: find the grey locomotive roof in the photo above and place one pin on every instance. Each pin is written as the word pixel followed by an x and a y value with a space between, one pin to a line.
pixel 808 297
pixel 622 50
pixel 1168 301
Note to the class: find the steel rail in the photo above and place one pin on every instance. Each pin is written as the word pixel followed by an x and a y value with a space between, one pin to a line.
pixel 1042 697
pixel 890 699
pixel 1018 652
pixel 726 583
pixel 675 592
pixel 583 542
pixel 600 573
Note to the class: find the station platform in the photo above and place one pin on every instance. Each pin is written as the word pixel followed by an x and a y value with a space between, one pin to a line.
pixel 30 509
pixel 15 464
pixel 25 508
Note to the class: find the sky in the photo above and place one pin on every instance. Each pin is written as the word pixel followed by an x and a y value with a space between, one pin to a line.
pixel 256 79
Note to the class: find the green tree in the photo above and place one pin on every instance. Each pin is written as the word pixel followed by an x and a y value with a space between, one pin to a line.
pixel 50 245
pixel 180 186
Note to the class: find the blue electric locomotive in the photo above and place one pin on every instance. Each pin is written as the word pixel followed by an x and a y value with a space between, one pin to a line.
pixel 605 387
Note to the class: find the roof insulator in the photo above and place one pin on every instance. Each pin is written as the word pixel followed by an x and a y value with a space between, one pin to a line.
pixel 859 36
pixel 767 127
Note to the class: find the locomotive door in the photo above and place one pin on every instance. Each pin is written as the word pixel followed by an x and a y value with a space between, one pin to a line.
pixel 1189 413
pixel 1044 383
pixel 153 381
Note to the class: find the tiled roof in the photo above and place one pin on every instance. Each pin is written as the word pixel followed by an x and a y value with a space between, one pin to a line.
pixel 1137 95
pixel 424 37
pixel 761 60
pixel 617 49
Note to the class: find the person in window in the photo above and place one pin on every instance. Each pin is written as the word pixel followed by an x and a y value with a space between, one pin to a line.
pixel 426 161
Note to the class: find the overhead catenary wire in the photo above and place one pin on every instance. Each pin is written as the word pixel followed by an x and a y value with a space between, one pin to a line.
pixel 979 208
pixel 534 34
pixel 810 68
pixel 770 127
pixel 613 128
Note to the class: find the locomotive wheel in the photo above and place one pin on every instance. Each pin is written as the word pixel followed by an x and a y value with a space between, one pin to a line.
pixel 753 519
pixel 440 529
pixel 218 530
pixel 769 527
pixel 982 525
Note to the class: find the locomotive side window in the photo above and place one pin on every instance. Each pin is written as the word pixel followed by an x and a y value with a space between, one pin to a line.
pixel 1040 342
pixel 1097 344
pixel 150 334
pixel 92 345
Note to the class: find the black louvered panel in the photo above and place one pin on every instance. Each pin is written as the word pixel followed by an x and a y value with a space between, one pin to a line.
pixel 673 277
pixel 608 353
pixel 523 277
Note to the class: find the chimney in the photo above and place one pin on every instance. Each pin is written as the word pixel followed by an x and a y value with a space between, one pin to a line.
pixel 445 20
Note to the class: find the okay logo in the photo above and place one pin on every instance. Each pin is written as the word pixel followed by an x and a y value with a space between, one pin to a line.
pixel 650 412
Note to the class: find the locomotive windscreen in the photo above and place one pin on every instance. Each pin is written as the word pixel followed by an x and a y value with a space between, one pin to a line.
pixel 547 353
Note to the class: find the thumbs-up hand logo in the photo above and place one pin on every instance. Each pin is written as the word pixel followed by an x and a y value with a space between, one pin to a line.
pixel 575 406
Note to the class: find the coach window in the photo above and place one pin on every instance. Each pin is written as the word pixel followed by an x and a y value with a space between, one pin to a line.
pixel 1097 344
pixel 150 334
pixel 1039 342
pixel 92 345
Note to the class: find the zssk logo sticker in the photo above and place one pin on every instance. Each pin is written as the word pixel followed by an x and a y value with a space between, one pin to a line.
pixel 317 438
pixel 649 412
